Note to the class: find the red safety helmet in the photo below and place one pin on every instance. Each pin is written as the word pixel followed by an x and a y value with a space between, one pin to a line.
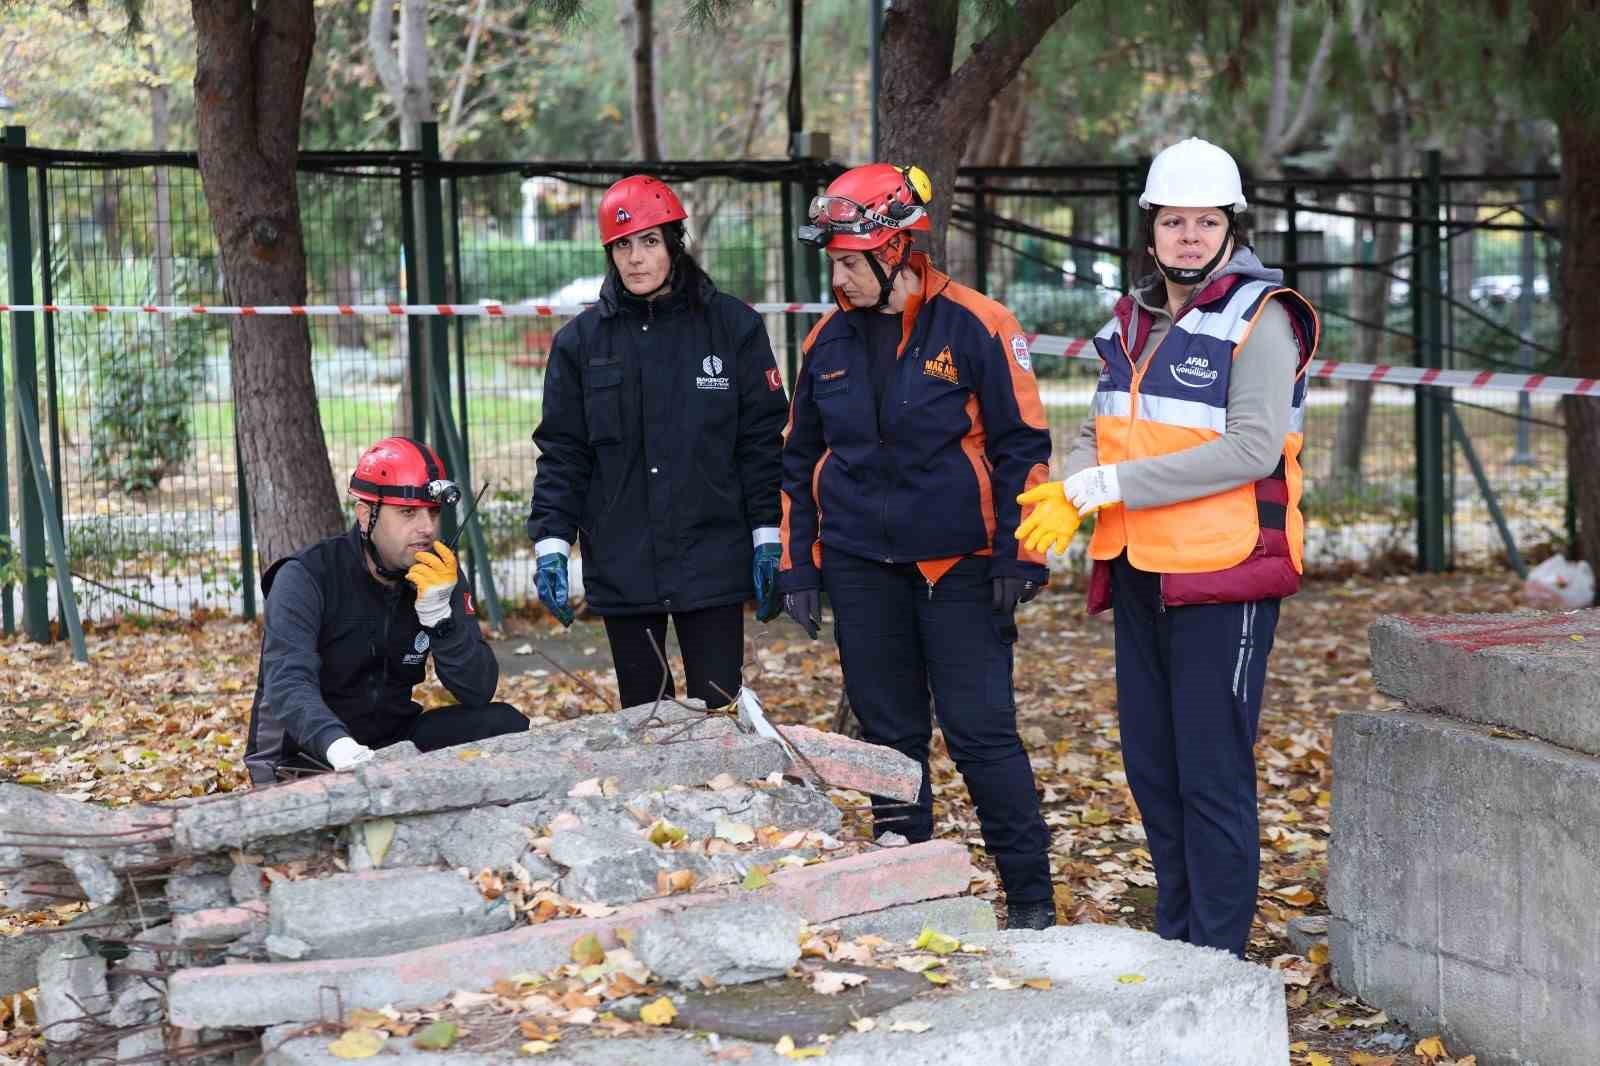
pixel 637 203
pixel 867 206
pixel 402 472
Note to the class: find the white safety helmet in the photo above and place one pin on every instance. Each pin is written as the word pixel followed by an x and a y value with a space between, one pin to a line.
pixel 1193 173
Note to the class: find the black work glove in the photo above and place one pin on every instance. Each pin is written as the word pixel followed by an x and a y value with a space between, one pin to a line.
pixel 805 607
pixel 1010 591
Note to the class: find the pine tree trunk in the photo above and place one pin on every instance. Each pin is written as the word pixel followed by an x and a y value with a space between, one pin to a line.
pixel 638 21
pixel 249 84
pixel 1371 305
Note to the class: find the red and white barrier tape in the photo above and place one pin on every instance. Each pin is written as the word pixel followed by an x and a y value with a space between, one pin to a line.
pixel 1041 343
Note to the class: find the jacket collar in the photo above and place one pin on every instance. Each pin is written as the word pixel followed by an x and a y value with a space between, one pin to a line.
pixel 690 285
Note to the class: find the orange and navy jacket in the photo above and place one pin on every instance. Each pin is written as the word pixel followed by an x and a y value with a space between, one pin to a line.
pixel 962 433
pixel 1245 543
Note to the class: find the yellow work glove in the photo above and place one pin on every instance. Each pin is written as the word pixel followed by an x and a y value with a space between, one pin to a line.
pixel 434 576
pixel 1053 520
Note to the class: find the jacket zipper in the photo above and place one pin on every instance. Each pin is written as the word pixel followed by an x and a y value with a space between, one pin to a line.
pixel 391 601
pixel 1133 416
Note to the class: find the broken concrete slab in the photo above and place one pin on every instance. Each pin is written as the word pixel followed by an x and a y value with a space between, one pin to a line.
pixel 216 926
pixel 479 838
pixel 497 771
pixel 698 810
pixel 187 892
pixel 382 912
pixel 1195 1006
pixel 962 917
pixel 1533 673
pixel 1307 930
pixel 72 989
pixel 583 847
pixel 94 875
pixel 19 956
pixel 484 837
pixel 844 762
pixel 266 994
pixel 726 944
pixel 33 884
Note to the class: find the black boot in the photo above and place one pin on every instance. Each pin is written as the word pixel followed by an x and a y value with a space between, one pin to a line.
pixel 1040 915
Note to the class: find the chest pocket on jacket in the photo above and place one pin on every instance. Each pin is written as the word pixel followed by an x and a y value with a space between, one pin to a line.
pixel 602 400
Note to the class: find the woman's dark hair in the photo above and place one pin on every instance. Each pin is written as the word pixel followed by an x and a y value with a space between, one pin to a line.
pixel 1147 239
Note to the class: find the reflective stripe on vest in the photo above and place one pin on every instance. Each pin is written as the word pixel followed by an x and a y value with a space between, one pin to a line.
pixel 1176 402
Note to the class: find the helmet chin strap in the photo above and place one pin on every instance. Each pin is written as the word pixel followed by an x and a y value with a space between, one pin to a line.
pixel 885 281
pixel 384 572
pixel 1195 275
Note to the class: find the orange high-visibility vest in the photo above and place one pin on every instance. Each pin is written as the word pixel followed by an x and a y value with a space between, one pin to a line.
pixel 1180 400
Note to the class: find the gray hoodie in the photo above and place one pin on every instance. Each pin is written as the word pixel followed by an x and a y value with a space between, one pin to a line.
pixel 1260 392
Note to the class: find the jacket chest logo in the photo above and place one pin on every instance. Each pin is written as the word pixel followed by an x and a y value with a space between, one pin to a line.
pixel 419 652
pixel 713 378
pixel 942 367
pixel 1195 372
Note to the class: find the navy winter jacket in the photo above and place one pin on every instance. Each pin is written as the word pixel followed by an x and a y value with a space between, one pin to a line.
pixel 659 446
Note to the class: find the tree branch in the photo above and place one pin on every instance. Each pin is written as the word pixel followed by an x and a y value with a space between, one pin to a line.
pixel 1278 104
pixel 1311 93
pixel 380 42
pixel 996 59
pixel 454 115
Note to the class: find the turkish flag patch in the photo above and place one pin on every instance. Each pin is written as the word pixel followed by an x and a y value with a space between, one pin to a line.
pixel 774 382
pixel 470 608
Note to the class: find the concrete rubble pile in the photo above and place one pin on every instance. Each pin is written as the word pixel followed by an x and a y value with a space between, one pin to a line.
pixel 1466 834
pixel 656 885
pixel 416 876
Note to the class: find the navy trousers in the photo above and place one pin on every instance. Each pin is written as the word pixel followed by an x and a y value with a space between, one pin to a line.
pixel 1189 684
pixel 898 639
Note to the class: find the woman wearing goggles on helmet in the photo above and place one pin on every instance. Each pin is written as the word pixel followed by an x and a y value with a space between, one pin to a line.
pixel 1190 455
pixel 916 421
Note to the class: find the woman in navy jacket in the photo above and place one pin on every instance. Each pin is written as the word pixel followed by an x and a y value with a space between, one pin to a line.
pixel 659 452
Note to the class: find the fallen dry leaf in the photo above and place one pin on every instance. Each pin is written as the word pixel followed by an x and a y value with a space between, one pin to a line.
pixel 358 1044
pixel 586 951
pixel 832 982
pixel 658 1012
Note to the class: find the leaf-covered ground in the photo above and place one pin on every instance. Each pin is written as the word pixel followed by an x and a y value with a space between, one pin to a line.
pixel 159 713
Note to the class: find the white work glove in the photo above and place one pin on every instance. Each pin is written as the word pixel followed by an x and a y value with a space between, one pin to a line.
pixel 1094 488
pixel 346 753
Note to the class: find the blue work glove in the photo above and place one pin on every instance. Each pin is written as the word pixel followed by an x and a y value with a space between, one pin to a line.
pixel 764 572
pixel 551 581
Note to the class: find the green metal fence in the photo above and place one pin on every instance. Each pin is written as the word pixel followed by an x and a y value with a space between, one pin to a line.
pixel 136 420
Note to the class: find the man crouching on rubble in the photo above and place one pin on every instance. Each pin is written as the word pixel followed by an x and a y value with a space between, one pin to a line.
pixel 350 622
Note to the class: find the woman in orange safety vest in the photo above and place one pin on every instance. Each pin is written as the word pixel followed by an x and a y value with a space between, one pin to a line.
pixel 1190 459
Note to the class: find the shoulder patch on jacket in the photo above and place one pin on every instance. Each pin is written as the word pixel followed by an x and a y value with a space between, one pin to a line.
pixel 1019 352
pixel 774 380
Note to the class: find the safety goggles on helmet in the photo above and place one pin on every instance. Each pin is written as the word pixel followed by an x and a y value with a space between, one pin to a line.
pixel 832 215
